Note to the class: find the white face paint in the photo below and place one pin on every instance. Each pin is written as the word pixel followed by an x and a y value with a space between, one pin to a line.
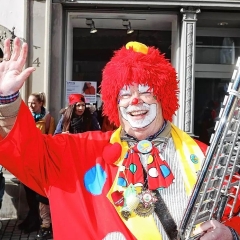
pixel 143 113
pixel 140 113
pixel 144 89
pixel 125 92
pixel 139 116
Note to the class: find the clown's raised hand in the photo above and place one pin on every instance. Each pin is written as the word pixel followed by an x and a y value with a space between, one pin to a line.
pixel 11 75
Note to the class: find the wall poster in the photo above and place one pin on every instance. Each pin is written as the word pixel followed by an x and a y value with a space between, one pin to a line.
pixel 88 89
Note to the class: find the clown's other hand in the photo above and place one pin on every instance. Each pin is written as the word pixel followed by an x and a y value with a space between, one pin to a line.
pixel 11 75
pixel 213 230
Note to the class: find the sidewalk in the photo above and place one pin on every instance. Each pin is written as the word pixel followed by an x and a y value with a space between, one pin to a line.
pixel 14 206
pixel 9 231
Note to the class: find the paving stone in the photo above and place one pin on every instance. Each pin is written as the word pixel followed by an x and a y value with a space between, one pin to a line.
pixel 9 231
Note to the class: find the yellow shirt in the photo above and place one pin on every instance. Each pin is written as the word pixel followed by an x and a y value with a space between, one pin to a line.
pixel 42 124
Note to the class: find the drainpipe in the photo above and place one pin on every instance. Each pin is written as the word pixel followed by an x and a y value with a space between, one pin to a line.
pixel 47 49
pixel 25 88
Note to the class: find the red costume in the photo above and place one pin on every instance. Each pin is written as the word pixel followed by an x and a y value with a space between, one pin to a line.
pixel 78 211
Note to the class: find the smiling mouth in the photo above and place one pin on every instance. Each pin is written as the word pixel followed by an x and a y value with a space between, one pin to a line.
pixel 138 113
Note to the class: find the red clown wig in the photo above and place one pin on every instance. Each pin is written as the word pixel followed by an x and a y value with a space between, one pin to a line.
pixel 137 63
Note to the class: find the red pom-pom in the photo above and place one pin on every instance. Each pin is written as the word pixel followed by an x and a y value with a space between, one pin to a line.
pixel 112 152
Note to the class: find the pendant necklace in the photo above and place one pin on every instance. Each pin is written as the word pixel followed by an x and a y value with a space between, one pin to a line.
pixel 140 203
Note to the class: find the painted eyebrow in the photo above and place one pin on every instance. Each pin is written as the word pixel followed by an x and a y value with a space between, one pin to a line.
pixel 144 90
pixel 124 90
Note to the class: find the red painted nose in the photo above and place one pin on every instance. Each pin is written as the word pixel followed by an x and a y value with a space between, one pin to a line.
pixel 135 101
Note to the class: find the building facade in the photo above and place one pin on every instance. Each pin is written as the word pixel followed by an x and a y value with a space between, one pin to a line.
pixel 201 39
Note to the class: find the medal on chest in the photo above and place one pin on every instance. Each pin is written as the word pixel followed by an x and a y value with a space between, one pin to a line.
pixel 133 176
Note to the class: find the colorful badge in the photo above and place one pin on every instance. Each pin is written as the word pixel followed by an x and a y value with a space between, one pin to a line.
pixel 194 158
pixel 144 146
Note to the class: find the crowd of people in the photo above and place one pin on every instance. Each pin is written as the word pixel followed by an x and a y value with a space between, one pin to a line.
pixel 121 184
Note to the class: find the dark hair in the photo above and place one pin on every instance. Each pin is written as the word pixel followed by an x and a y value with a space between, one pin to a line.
pixel 69 114
pixel 85 87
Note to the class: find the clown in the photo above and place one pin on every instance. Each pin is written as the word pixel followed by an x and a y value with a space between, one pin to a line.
pixel 113 185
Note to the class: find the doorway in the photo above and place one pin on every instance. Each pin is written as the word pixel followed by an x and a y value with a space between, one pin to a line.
pixel 91 52
pixel 87 53
pixel 209 95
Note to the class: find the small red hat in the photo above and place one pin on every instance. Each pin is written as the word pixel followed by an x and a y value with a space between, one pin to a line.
pixel 75 98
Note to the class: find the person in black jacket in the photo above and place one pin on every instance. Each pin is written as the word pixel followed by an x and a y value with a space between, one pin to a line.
pixel 2 186
pixel 77 118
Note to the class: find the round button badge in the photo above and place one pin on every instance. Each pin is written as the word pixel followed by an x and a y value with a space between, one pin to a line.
pixel 144 146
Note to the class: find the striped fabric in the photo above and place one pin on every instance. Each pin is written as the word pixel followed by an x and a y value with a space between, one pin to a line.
pixel 9 99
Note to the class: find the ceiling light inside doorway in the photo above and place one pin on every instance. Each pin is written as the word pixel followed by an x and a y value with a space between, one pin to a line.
pixel 127 24
pixel 90 23
pixel 222 23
